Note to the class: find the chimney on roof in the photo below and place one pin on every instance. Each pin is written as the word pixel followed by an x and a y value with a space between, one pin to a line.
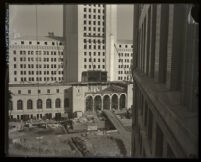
pixel 51 34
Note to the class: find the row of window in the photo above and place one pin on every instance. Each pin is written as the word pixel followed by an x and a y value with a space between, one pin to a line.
pixel 45 43
pixel 94 53
pixel 93 16
pixel 39 59
pixel 39 72
pixel 94 47
pixel 125 72
pixel 126 54
pixel 95 5
pixel 94 66
pixel 90 22
pixel 126 60
pixel 38 66
pixel 39 79
pixel 95 23
pixel 39 104
pixel 124 46
pixel 39 91
pixel 94 60
pixel 93 34
pixel 94 10
pixel 38 52
pixel 94 41
pixel 125 66
pixel 123 78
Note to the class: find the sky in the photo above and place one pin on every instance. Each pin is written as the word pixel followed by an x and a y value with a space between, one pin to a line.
pixel 22 19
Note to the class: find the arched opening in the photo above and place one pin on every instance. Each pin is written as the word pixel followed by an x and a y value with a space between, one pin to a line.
pixel 122 101
pixel 48 103
pixel 39 104
pixel 106 102
pixel 58 103
pixel 29 104
pixel 89 103
pixel 19 105
pixel 97 103
pixel 114 102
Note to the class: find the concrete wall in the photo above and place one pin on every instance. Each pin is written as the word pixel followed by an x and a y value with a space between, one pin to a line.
pixel 34 96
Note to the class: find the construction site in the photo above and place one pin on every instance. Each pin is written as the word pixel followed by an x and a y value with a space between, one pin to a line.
pixel 92 134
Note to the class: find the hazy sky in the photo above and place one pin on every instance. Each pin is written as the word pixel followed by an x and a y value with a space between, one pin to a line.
pixel 50 19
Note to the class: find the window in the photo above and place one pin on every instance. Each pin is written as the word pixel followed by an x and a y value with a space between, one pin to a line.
pixel 48 103
pixel 57 90
pixel 66 102
pixel 14 58
pixel 29 104
pixel 85 60
pixel 22 42
pixel 15 66
pixel 58 103
pixel 48 91
pixel 10 105
pixel 19 105
pixel 19 91
pixel 29 91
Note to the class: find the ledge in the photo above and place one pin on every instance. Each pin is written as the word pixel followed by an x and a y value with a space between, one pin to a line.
pixel 183 124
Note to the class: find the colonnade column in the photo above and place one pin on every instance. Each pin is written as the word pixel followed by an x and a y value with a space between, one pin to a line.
pixel 101 102
pixel 110 103
pixel 93 103
pixel 118 102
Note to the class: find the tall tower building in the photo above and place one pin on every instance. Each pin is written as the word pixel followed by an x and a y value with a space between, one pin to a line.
pixel 89 31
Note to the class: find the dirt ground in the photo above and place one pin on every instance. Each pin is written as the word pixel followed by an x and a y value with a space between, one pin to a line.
pixel 55 143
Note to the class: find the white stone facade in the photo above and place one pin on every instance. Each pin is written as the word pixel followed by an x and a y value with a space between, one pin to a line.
pixel 88 30
pixel 35 60
pixel 123 60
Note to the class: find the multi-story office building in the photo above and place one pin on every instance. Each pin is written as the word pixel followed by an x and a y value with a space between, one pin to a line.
pixel 165 112
pixel 36 60
pixel 123 60
pixel 90 33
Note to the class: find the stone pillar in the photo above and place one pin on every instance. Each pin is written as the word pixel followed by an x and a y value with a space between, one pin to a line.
pixel 101 102
pixel 110 103
pixel 118 100
pixel 93 103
